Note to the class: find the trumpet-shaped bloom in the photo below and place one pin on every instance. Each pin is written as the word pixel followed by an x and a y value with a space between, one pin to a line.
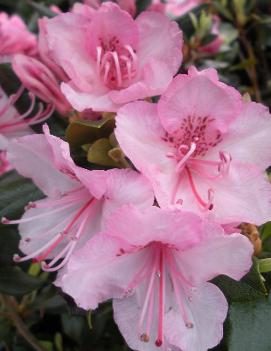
pixel 14 37
pixel 202 148
pixel 77 200
pixel 41 81
pixel 107 66
pixel 13 124
pixel 156 264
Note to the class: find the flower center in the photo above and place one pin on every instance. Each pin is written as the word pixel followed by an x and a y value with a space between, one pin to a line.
pixel 191 144
pixel 156 273
pixel 63 235
pixel 116 63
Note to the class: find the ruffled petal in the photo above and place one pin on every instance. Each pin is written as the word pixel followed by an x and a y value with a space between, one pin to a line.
pixel 208 310
pixel 198 96
pixel 141 137
pixel 229 255
pixel 160 39
pixel 248 138
pixel 32 157
pixel 83 100
pixel 106 274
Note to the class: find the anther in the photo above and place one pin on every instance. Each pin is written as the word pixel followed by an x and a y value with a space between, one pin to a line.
pixel 189 325
pixel 144 337
pixel 16 258
pixel 5 220
pixel 158 342
pixel 179 202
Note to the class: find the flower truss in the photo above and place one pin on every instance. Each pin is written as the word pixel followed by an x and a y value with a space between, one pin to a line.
pixel 190 154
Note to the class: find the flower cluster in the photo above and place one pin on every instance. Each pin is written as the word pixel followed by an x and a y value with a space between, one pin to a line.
pixel 153 234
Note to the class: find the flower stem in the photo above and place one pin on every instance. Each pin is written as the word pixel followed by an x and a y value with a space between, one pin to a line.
pixel 19 323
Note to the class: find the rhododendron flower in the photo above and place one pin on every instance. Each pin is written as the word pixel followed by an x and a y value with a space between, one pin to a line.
pixel 126 5
pixel 77 200
pixel 13 124
pixel 174 8
pixel 108 66
pixel 41 81
pixel 177 8
pixel 15 37
pixel 156 264
pixel 202 148
pixel 214 46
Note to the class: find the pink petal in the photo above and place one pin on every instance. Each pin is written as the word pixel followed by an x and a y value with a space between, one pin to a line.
pixel 79 66
pixel 106 275
pixel 60 150
pixel 179 8
pixel 84 100
pixel 242 195
pixel 208 309
pixel 160 39
pixel 230 255
pixel 32 157
pixel 126 187
pixel 248 137
pixel 52 221
pixel 140 135
pixel 173 227
pixel 198 96
pixel 15 37
pixel 109 22
pixel 126 314
pixel 45 52
pixel 155 79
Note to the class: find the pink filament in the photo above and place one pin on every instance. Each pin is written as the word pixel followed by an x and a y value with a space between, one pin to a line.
pixel 117 66
pixel 159 340
pixel 22 120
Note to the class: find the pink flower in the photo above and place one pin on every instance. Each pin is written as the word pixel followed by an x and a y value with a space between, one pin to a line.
pixel 158 6
pixel 126 5
pixel 41 81
pixel 77 200
pixel 214 46
pixel 156 265
pixel 202 148
pixel 4 165
pixel 15 37
pixel 178 8
pixel 108 66
pixel 13 124
pixel 45 54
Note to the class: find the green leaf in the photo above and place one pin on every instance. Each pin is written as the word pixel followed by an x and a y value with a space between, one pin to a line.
pixel 85 132
pixel 249 288
pixel 73 326
pixel 250 326
pixel 13 281
pixel 265 231
pixel 265 265
pixel 98 153
pixel 58 342
pixel 47 345
pixel 9 240
pixel 15 193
